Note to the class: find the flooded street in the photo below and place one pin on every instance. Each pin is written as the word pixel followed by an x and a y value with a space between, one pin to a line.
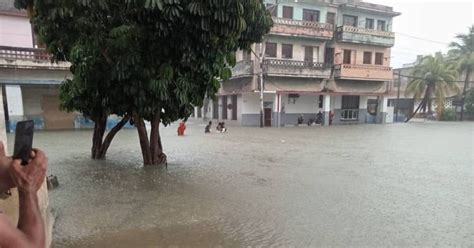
pixel 377 185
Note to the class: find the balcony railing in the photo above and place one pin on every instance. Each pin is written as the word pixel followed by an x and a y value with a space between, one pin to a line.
pixel 294 68
pixel 290 27
pixel 365 36
pixel 29 58
pixel 363 72
pixel 243 68
pixel 19 53
pixel 349 114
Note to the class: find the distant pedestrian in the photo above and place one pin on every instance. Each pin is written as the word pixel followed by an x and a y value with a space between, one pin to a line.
pixel 331 117
pixel 221 127
pixel 207 129
pixel 300 120
pixel 181 128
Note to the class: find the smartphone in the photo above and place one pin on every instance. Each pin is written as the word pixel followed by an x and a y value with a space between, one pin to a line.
pixel 23 141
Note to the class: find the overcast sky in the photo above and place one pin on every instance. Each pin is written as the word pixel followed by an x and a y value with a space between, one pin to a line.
pixel 426 26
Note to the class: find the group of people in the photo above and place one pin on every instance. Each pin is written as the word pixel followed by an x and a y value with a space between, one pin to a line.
pixel 318 120
pixel 220 127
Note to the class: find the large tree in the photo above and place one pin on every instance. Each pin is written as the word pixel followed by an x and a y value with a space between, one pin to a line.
pixel 433 77
pixel 463 51
pixel 147 60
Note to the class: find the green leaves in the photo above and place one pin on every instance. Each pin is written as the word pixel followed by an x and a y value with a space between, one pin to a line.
pixel 146 56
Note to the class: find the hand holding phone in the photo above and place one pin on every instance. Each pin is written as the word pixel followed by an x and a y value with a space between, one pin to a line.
pixel 23 141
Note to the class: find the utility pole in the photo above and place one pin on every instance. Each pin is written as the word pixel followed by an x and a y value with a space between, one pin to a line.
pixel 261 58
pixel 398 94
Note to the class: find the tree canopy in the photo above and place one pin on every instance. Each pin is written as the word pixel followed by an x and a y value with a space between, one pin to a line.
pixel 145 59
pixel 433 76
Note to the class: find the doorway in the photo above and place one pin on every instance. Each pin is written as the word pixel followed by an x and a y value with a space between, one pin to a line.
pixel 268 117
pixel 224 107
pixel 308 54
pixel 234 107
pixel 215 108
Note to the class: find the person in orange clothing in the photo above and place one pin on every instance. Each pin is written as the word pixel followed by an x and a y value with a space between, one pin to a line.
pixel 181 128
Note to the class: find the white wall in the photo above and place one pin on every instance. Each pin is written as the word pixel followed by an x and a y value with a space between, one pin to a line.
pixel 14 100
pixel 363 102
pixel 15 31
pixel 303 104
pixel 337 102
pixel 251 102
pixel 239 108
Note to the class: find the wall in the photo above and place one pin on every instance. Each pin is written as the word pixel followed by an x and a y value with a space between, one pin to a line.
pixel 251 102
pixel 357 56
pixel 304 104
pixel 298 47
pixel 15 31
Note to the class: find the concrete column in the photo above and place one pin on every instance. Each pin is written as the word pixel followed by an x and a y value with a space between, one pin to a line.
pixel 15 104
pixel 10 205
pixel 277 110
pixel 382 110
pixel 326 109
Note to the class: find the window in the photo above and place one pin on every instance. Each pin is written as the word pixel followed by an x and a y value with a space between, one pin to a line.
pixel 287 12
pixel 320 101
pixel 272 8
pixel 369 23
pixel 308 53
pixel 367 58
pixel 347 57
pixel 310 15
pixel 271 50
pixel 381 25
pixel 287 51
pixel 331 18
pixel 379 58
pixel 350 102
pixel 350 20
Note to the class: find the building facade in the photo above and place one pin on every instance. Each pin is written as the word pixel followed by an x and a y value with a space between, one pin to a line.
pixel 328 56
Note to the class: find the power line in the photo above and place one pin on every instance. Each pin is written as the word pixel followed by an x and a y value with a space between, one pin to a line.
pixel 413 77
pixel 420 38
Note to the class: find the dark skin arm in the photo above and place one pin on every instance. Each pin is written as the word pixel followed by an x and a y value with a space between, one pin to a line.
pixel 28 179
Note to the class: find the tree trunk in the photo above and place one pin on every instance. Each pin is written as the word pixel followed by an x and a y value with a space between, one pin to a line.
pixel 158 157
pixel 110 136
pixel 464 90
pixel 206 109
pixel 98 135
pixel 422 104
pixel 428 94
pixel 144 142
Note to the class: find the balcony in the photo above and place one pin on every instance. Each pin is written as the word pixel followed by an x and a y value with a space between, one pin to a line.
pixel 296 28
pixel 363 72
pixel 28 58
pixel 292 68
pixel 243 68
pixel 365 36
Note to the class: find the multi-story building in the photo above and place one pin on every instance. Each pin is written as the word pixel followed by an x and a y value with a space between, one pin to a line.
pixel 328 56
pixel 30 82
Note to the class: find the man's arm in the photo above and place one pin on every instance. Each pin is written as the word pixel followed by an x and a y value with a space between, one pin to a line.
pixel 28 179
pixel 10 236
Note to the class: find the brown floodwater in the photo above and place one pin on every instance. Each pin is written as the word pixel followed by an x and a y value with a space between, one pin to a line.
pixel 366 185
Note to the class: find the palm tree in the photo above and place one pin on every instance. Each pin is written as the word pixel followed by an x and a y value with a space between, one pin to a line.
pixel 432 77
pixel 463 52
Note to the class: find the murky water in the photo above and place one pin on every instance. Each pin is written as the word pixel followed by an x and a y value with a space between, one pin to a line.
pixel 377 185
